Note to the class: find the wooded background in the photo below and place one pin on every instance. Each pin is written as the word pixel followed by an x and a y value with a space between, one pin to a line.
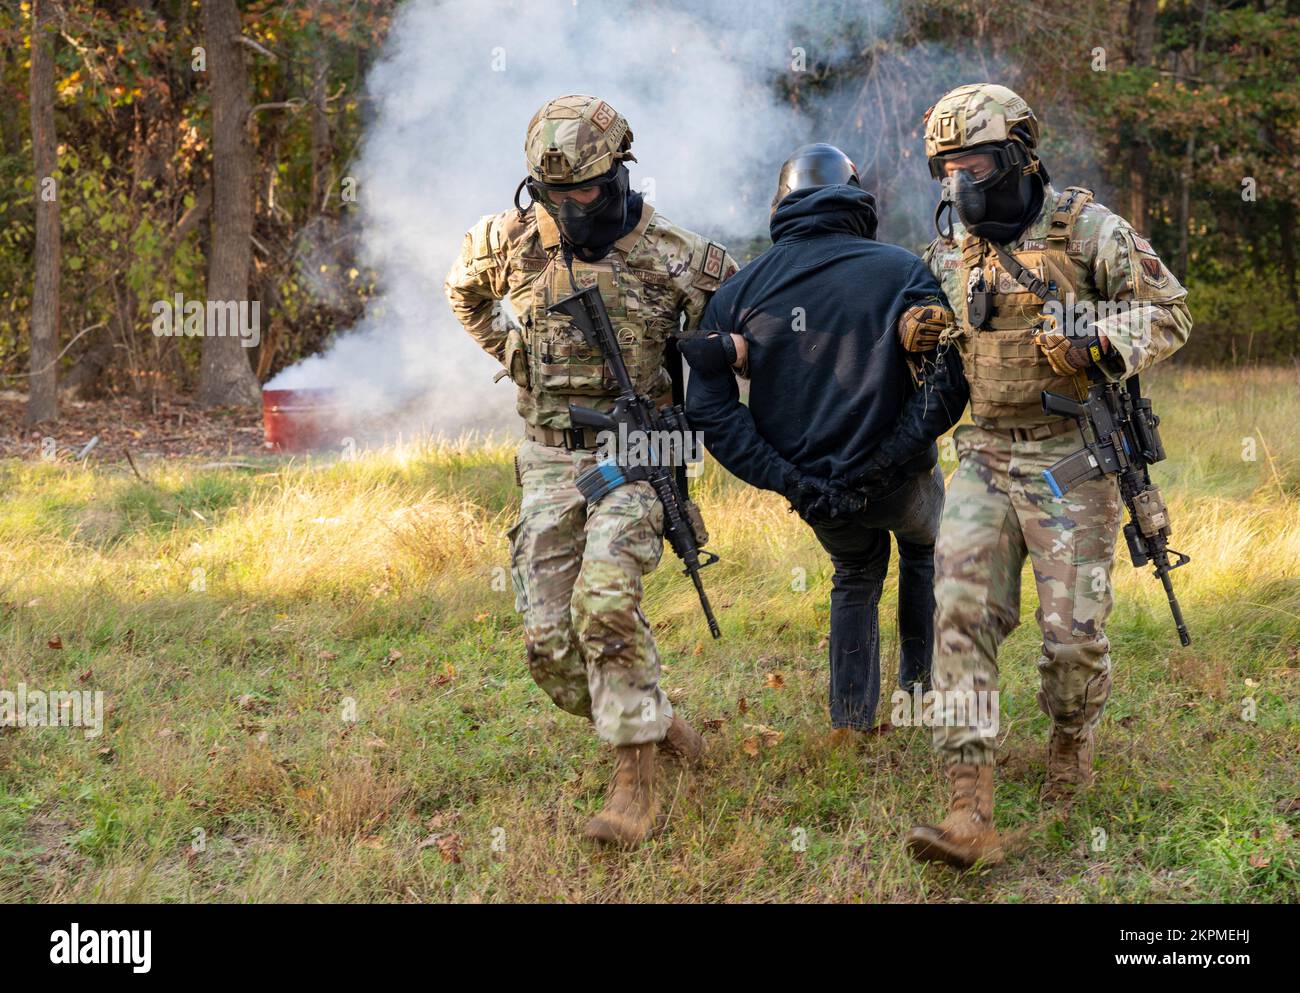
pixel 224 181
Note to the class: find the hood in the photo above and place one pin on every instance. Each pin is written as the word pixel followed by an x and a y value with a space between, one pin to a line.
pixel 825 210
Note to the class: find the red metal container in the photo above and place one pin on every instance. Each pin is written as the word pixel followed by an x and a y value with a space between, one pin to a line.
pixel 303 420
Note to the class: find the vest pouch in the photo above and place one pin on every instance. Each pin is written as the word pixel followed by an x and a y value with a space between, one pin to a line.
pixel 515 359
pixel 565 363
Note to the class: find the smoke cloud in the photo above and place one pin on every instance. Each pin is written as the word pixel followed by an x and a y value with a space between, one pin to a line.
pixel 698 82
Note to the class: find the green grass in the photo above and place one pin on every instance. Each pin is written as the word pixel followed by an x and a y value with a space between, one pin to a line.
pixel 233 617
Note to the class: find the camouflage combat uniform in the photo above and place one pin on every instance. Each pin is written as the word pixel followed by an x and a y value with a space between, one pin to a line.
pixel 577 571
pixel 999 508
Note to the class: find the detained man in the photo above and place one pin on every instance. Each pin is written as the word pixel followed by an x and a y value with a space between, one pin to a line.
pixel 817 325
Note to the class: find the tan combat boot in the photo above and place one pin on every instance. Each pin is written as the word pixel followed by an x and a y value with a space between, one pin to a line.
pixel 966 835
pixel 1069 768
pixel 683 742
pixel 629 814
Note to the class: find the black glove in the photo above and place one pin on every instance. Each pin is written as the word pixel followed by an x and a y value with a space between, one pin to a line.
pixel 819 501
pixel 708 353
pixel 877 481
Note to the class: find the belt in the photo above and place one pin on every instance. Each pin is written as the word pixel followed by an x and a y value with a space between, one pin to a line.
pixel 1038 432
pixel 570 438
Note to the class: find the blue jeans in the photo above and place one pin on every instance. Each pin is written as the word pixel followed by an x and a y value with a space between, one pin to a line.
pixel 859 551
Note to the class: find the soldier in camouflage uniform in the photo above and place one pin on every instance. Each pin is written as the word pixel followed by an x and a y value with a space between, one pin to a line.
pixel 578 570
pixel 1003 348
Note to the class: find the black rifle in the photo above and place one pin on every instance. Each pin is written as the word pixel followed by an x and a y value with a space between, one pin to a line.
pixel 633 412
pixel 1124 442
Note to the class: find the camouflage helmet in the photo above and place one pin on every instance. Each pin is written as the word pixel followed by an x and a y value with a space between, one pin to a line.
pixel 574 139
pixel 977 114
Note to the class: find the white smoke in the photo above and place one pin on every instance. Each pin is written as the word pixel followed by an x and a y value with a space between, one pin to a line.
pixel 454 92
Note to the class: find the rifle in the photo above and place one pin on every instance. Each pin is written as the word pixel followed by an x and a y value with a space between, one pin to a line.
pixel 1125 441
pixel 633 412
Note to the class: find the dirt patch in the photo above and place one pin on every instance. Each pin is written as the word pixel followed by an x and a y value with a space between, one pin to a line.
pixel 164 428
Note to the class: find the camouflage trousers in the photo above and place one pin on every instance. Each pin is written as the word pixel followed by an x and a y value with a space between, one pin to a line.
pixel 999 509
pixel 577 581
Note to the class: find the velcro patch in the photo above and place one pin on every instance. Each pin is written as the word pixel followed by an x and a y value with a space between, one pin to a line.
pixel 603 116
pixel 651 278
pixel 713 259
pixel 1152 270
pixel 1143 245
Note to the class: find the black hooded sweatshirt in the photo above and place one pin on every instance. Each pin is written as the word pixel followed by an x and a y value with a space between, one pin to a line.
pixel 819 311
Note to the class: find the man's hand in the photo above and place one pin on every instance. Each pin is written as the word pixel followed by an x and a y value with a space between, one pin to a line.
pixel 818 500
pixel 920 328
pixel 1067 356
pixel 715 352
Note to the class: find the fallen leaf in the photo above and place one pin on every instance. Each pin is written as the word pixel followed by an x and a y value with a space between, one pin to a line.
pixel 85 675
pixel 769 736
pixel 325 656
pixel 742 705
pixel 1259 861
pixel 775 681
pixel 55 642
pixel 450 847
pixel 393 656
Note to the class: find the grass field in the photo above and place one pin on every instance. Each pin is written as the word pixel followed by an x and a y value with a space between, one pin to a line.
pixel 317 692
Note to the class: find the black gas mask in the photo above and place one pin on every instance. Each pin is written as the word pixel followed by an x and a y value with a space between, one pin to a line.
pixel 590 229
pixel 997 190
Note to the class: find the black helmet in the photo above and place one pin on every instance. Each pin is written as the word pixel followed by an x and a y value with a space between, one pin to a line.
pixel 812 166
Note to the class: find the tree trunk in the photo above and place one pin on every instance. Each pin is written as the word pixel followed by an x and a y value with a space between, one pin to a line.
pixel 321 152
pixel 225 376
pixel 1142 39
pixel 43 397
pixel 1189 159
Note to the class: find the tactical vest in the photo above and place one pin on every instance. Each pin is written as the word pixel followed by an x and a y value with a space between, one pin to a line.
pixel 561 366
pixel 1006 370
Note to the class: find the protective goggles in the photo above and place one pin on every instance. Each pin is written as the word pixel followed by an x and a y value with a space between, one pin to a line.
pixel 552 196
pixel 985 163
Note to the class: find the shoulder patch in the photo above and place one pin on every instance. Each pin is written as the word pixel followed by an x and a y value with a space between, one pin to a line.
pixel 1152 271
pixel 713 259
pixel 1143 245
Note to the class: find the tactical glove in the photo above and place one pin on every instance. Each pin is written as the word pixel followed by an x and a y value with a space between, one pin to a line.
pixel 709 353
pixel 1068 356
pixel 921 327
